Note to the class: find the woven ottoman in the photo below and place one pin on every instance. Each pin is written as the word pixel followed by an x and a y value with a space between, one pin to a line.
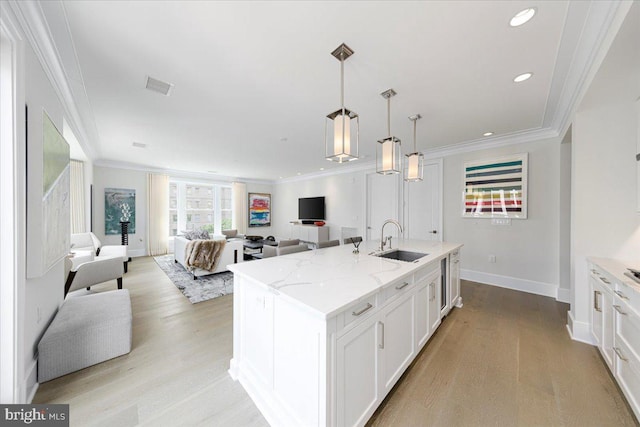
pixel 86 330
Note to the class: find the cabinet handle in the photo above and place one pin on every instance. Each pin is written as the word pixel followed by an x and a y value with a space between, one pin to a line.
pixel 619 353
pixel 456 261
pixel 596 301
pixel 620 294
pixel 432 286
pixel 404 285
pixel 594 271
pixel 604 280
pixel 358 313
pixel 619 310
pixel 381 345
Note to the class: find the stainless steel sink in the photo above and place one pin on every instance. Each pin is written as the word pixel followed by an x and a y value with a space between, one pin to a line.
pixel 401 255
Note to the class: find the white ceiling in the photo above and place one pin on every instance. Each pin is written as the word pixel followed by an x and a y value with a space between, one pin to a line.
pixel 255 80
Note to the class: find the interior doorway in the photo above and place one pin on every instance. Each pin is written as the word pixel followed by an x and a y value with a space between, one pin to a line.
pixel 423 204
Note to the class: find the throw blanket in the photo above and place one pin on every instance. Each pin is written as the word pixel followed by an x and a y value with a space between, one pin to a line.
pixel 203 254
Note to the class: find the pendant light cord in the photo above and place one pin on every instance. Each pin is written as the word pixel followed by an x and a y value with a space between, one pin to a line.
pixel 414 136
pixel 389 115
pixel 342 81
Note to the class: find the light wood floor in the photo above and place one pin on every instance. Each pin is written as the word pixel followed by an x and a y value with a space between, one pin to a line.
pixel 505 358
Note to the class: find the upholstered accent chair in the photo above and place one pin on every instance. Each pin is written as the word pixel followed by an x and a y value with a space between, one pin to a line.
pixel 89 242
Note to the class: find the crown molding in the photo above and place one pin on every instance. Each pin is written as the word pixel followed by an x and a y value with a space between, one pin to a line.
pixel 34 25
pixel 178 173
pixel 534 135
pixel 602 22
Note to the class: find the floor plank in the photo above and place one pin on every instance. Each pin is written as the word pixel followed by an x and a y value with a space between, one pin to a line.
pixel 505 358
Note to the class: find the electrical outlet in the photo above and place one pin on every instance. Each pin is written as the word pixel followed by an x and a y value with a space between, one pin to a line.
pixel 492 258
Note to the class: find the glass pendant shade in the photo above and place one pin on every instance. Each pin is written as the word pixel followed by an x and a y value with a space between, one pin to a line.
pixel 415 166
pixel 388 156
pixel 341 136
pixel 415 160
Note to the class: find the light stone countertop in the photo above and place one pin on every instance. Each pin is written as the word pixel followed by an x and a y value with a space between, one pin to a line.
pixel 616 269
pixel 328 280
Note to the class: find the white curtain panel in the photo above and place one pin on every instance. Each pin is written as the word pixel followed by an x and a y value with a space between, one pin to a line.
pixel 158 214
pixel 76 169
pixel 239 191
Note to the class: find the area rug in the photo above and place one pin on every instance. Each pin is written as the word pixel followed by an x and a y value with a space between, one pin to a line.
pixel 202 289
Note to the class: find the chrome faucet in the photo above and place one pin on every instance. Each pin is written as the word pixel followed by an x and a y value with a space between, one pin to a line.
pixel 383 240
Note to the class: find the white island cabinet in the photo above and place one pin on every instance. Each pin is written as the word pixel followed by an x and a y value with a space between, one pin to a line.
pixel 321 337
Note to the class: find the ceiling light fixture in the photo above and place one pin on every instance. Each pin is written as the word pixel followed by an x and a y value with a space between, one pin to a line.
pixel 139 145
pixel 343 123
pixel 388 152
pixel 415 160
pixel 487 134
pixel 522 17
pixel 522 77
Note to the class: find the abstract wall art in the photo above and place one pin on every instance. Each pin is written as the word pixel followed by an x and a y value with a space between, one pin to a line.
pixel 119 205
pixel 259 210
pixel 495 188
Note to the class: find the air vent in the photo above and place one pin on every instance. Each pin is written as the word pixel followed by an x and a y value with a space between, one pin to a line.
pixel 139 145
pixel 159 86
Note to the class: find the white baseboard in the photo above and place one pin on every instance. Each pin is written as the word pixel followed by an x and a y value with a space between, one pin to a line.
pixel 136 252
pixel 31 380
pixel 579 331
pixel 523 285
pixel 564 295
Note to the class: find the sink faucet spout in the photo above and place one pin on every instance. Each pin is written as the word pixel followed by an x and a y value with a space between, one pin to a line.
pixel 383 241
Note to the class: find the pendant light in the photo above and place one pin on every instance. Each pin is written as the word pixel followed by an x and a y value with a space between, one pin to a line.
pixel 415 160
pixel 341 126
pixel 388 152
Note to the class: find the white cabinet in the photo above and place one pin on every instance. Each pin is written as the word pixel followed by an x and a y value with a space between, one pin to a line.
pixel 615 326
pixel 309 233
pixel 602 313
pixel 397 344
pixel 454 279
pixel 434 288
pixel 357 361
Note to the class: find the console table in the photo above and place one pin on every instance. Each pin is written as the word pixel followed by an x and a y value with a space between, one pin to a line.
pixel 310 233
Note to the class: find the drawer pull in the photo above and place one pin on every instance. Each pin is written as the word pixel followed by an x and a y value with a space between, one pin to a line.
pixel 594 272
pixel 619 310
pixel 456 261
pixel 404 285
pixel 366 308
pixel 619 353
pixel 604 280
pixel 620 294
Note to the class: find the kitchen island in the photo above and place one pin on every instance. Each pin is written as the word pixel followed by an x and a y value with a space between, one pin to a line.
pixel 320 337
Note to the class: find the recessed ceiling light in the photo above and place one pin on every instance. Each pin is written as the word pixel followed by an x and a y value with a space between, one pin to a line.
pixel 212 171
pixel 522 17
pixel 487 134
pixel 139 145
pixel 279 177
pixel 321 169
pixel 522 77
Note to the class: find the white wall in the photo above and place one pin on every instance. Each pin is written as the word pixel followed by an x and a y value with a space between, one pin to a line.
pixel 605 132
pixel 526 251
pixel 344 202
pixel 44 294
pixel 104 177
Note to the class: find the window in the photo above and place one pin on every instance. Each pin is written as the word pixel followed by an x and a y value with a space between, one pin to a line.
pixel 199 207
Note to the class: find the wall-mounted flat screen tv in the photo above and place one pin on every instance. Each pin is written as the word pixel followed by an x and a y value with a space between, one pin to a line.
pixel 311 209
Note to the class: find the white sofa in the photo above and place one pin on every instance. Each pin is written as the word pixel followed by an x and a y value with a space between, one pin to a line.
pixel 232 254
